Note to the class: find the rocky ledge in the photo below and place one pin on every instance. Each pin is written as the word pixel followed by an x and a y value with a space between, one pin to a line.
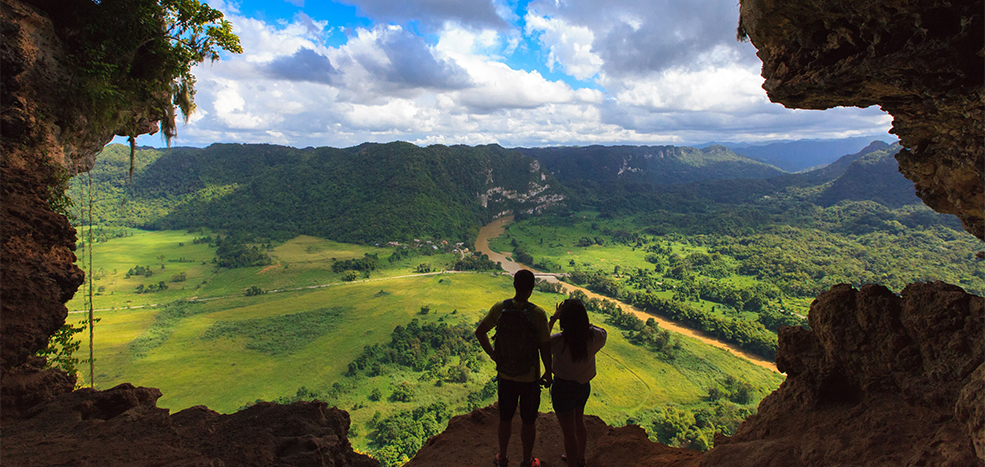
pixel 470 439
pixel 124 427
pixel 879 380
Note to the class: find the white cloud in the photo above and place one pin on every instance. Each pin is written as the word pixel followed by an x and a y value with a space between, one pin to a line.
pixel 387 83
pixel 570 46
pixel 729 89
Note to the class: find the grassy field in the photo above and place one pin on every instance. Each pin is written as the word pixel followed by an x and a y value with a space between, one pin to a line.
pixel 172 348
pixel 298 263
pixel 556 241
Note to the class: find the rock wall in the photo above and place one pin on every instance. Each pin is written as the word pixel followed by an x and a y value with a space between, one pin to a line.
pixel 879 379
pixel 38 272
pixel 124 427
pixel 923 61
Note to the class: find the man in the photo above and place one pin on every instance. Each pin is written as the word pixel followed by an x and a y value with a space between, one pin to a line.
pixel 521 334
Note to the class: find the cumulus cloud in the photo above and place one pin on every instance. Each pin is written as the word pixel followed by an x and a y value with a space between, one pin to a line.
pixel 570 46
pixel 636 38
pixel 673 82
pixel 409 62
pixel 303 65
pixel 434 13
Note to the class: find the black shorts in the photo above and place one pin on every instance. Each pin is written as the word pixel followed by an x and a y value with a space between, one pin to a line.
pixel 514 393
pixel 569 395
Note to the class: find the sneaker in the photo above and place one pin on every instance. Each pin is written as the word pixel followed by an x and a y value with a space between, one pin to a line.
pixel 535 462
pixel 501 462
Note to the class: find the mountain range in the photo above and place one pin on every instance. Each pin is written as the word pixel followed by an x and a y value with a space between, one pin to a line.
pixel 396 191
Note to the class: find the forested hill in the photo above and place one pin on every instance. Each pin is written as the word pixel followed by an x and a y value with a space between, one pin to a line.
pixel 874 176
pixel 659 165
pixel 796 156
pixel 367 193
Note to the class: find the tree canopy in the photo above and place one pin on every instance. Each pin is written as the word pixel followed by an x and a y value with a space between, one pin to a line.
pixel 133 58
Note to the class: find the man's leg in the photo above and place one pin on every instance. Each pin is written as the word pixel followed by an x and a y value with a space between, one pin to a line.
pixel 529 405
pixel 528 434
pixel 508 401
pixel 505 431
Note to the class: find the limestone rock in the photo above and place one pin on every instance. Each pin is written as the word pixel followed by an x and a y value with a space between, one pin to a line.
pixel 123 426
pixel 880 379
pixel 922 61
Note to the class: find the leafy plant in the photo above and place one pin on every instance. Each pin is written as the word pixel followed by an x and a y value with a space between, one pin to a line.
pixel 62 345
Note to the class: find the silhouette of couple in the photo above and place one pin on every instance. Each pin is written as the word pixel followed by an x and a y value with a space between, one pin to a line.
pixel 523 332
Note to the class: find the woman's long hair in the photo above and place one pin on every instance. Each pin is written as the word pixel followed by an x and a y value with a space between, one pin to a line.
pixel 575 328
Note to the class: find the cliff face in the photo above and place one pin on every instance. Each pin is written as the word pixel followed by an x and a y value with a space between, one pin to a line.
pixel 923 61
pixel 880 379
pixel 38 273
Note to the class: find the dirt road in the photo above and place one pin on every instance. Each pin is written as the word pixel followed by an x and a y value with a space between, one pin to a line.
pixel 498 226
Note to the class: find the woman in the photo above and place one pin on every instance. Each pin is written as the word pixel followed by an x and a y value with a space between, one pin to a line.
pixel 573 355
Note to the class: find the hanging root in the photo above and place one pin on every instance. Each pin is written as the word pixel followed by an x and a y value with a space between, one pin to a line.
pixel 133 150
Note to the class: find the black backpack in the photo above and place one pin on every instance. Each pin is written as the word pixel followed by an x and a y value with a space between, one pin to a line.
pixel 516 346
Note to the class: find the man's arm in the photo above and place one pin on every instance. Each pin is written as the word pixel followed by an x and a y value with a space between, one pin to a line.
pixel 545 356
pixel 482 334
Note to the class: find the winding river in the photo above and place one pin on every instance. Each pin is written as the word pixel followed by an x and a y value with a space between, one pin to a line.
pixel 498 227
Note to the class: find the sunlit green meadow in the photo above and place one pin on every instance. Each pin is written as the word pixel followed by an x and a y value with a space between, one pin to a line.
pixel 225 375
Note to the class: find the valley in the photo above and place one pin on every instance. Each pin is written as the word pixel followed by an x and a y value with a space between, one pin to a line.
pixel 166 346
pixel 223 286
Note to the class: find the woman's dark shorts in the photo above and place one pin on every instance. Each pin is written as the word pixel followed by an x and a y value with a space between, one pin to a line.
pixel 569 395
pixel 513 393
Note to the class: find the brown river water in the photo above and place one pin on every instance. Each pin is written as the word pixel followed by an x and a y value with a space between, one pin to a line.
pixel 498 227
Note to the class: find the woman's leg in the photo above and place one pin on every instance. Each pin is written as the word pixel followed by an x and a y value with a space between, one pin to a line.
pixel 568 430
pixel 580 435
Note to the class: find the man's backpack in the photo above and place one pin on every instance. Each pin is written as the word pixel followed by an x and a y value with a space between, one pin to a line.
pixel 515 346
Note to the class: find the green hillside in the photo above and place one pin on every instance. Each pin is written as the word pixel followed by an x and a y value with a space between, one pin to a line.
pixel 875 177
pixel 364 194
pixel 660 165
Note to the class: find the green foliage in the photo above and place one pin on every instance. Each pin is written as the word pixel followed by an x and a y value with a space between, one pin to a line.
pixel 231 254
pixel 61 348
pixel 253 291
pixel 402 392
pixel 158 287
pixel 135 57
pixel 399 436
pixel 475 262
pixel 139 271
pixel 367 263
pixel 419 347
pixel 279 335
pixel 349 276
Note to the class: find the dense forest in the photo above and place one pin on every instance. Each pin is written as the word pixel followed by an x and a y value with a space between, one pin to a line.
pixel 660 165
pixel 364 194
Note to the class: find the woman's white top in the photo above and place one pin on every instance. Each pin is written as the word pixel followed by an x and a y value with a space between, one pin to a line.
pixel 566 368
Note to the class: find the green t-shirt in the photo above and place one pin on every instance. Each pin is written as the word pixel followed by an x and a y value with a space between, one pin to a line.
pixel 543 335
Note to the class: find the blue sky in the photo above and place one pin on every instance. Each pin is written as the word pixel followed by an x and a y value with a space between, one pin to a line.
pixel 516 73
